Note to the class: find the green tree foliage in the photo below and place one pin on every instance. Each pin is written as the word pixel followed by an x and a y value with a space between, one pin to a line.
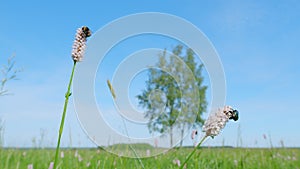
pixel 174 97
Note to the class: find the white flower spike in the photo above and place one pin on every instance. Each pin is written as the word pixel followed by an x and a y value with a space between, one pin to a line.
pixel 80 43
pixel 217 121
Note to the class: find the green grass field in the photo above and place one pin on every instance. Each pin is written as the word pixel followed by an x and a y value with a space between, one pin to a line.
pixel 204 158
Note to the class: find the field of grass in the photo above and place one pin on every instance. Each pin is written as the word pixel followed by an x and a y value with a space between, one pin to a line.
pixel 210 158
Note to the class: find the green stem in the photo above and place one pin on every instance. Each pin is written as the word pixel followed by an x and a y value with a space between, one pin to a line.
pixel 68 94
pixel 132 149
pixel 137 157
pixel 190 155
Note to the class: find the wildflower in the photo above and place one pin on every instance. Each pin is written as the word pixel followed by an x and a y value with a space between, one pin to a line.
pixel 80 43
pixel 62 155
pixel 77 55
pixel 30 166
pixel 79 158
pixel 213 125
pixel 98 164
pixel 88 164
pixel 194 133
pixel 193 137
pixel 51 165
pixel 148 152
pixel 76 154
pixel 235 162
pixel 217 121
pixel 277 155
pixel 176 162
pixel 156 143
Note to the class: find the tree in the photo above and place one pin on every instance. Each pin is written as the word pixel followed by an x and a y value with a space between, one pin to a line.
pixel 183 102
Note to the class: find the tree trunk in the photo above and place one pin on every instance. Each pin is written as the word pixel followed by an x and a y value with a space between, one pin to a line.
pixel 171 136
pixel 182 133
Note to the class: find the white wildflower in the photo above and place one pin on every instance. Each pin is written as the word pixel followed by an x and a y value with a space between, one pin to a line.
pixel 217 121
pixel 62 154
pixel 79 158
pixel 80 43
pixel 235 162
pixel 148 153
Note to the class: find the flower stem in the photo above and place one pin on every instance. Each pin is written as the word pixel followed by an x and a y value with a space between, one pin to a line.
pixel 132 149
pixel 190 155
pixel 68 94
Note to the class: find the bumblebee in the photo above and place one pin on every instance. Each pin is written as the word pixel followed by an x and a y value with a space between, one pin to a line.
pixel 234 115
pixel 86 31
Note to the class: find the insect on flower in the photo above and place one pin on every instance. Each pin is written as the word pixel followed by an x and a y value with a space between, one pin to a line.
pixel 234 115
pixel 79 44
pixel 86 31
pixel 217 121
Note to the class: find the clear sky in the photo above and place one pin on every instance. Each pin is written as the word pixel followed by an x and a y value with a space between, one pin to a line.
pixel 257 41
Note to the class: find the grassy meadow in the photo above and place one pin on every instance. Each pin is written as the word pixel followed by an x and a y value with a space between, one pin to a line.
pixel 273 158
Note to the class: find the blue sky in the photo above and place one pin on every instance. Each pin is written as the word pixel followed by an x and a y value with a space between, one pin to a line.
pixel 257 42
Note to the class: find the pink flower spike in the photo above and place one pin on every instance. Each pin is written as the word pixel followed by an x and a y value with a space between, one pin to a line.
pixel 51 165
pixel 176 162
pixel 62 155
pixel 80 43
pixel 156 143
pixel 194 133
pixel 217 120
pixel 30 166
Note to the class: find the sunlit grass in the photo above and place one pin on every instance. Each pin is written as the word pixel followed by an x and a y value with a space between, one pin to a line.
pixel 203 158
